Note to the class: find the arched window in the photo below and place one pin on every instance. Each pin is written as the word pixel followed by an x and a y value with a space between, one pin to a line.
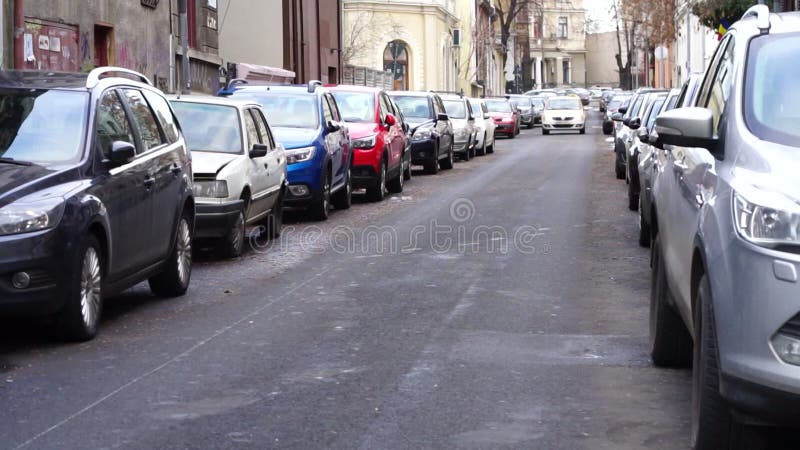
pixel 395 59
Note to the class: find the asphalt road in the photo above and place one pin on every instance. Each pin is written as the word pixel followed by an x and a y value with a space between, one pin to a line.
pixel 500 304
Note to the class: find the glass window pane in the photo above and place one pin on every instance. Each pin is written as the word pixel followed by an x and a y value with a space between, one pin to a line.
pixel 252 131
pixel 112 124
pixel 164 115
pixel 143 119
pixel 210 128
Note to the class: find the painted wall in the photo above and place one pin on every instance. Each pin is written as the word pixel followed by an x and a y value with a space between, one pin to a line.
pixel 249 32
pixel 601 66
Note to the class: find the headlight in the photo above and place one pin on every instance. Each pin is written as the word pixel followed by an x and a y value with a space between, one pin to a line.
pixel 365 142
pixel 211 189
pixel 768 219
pixel 460 133
pixel 296 155
pixel 422 133
pixel 30 214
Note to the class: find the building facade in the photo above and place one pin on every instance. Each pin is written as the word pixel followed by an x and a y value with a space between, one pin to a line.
pixel 312 39
pixel 414 39
pixel 558 43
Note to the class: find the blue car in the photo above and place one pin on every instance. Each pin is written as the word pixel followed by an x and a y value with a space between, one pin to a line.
pixel 306 120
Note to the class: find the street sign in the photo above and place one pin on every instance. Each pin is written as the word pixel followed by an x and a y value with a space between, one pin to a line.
pixel 661 53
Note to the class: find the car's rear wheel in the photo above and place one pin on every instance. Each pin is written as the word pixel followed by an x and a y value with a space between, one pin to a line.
pixel 377 192
pixel 482 151
pixel 343 198
pixel 583 130
pixel 174 279
pixel 670 342
pixel 490 149
pixel 466 155
pixel 232 243
pixel 80 316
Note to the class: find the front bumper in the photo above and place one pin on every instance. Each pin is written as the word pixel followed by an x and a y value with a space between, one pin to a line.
pixel 461 146
pixel 49 259
pixel 364 176
pixel 214 220
pixel 563 125
pixel 423 152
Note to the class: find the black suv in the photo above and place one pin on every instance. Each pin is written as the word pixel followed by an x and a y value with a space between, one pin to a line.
pixel 95 194
pixel 431 130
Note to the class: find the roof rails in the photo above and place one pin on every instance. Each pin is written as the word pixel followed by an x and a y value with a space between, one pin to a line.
pixel 312 85
pixel 458 93
pixel 96 74
pixel 762 17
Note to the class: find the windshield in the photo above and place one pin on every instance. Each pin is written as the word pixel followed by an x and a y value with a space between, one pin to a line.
pixel 616 102
pixel 523 103
pixel 564 103
pixel 477 108
pixel 285 110
pixel 41 126
pixel 210 128
pixel 498 106
pixel 356 106
pixel 538 103
pixel 772 100
pixel 455 109
pixel 417 107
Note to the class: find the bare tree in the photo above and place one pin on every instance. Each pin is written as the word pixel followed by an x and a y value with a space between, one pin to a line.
pixel 359 36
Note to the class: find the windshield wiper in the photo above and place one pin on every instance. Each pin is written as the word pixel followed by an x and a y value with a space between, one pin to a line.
pixel 14 161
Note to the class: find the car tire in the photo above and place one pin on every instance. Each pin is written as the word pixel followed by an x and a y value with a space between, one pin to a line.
pixel 320 208
pixel 670 342
pixel 407 168
pixel 644 227
pixel 343 198
pixel 377 192
pixel 274 220
pixel 633 196
pixel 620 171
pixel 583 130
pixel 712 423
pixel 79 318
pixel 447 163
pixel 173 281
pixel 396 183
pixel 482 151
pixel 545 132
pixel 466 155
pixel 490 149
pixel 232 243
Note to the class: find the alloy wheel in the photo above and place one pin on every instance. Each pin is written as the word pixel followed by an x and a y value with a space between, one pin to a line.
pixel 91 280
pixel 184 251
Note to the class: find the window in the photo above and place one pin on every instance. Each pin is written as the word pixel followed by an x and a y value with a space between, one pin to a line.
pixel 112 124
pixel 263 130
pixel 334 107
pixel 143 119
pixel 326 111
pixel 717 87
pixel 210 128
pixel 164 115
pixel 563 27
pixel 356 106
pixel 252 130
pixel 395 59
pixel 385 107
pixel 537 27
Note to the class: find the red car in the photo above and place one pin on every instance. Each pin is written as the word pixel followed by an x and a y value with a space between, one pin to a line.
pixel 377 137
pixel 505 115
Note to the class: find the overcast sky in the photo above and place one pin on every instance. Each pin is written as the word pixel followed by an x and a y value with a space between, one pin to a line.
pixel 598 12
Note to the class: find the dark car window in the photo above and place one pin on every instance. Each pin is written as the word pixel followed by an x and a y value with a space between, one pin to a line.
pixel 455 109
pixel 634 110
pixel 263 129
pixel 356 106
pixel 498 106
pixel 210 128
pixel 655 109
pixel 286 110
pixel 111 123
pixel 42 126
pixel 143 119
pixel 771 98
pixel 164 115
pixel 412 106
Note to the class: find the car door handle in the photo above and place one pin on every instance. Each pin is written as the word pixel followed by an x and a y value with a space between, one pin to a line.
pixel 149 182
pixel 176 170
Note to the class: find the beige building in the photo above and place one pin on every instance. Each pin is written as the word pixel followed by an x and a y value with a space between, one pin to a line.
pixel 601 63
pixel 418 40
pixel 558 43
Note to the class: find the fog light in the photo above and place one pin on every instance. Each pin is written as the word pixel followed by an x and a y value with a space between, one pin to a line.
pixel 787 348
pixel 20 280
pixel 299 190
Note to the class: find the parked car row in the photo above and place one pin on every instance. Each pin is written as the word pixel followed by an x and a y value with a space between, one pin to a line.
pixel 712 173
pixel 106 182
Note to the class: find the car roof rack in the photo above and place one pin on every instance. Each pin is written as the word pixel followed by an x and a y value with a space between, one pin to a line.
pixel 312 85
pixel 96 74
pixel 762 17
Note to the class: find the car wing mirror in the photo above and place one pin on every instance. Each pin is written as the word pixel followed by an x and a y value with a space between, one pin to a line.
pixel 622 109
pixel 634 123
pixel 643 135
pixel 653 139
pixel 442 117
pixel 332 126
pixel 259 150
pixel 689 127
pixel 486 115
pixel 389 120
pixel 122 152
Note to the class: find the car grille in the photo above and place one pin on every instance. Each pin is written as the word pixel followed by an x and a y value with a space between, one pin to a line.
pixel 562 118
pixel 792 327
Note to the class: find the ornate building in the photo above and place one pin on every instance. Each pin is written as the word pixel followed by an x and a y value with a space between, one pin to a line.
pixel 558 43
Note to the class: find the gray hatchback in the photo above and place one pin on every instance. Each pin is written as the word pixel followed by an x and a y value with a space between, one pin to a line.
pixel 726 249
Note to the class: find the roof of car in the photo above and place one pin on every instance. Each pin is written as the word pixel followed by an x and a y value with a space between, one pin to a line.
pixel 211 100
pixel 39 79
pixel 787 22
pixel 285 88
pixel 452 97
pixel 354 88
pixel 412 93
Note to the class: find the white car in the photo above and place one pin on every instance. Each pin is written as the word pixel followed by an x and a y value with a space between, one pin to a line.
pixel 563 113
pixel 485 126
pixel 239 169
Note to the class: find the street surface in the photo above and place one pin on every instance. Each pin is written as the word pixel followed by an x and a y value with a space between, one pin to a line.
pixel 502 304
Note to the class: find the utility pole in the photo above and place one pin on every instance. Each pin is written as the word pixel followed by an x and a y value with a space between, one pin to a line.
pixel 186 88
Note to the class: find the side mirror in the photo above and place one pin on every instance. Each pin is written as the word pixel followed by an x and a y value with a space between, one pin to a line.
pixel 442 117
pixel 389 120
pixel 616 117
pixel 653 140
pixel 622 109
pixel 626 121
pixel 688 127
pixel 122 153
pixel 635 123
pixel 486 115
pixel 333 126
pixel 259 151
pixel 643 135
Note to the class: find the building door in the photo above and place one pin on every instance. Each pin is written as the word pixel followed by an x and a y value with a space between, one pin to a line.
pixel 103 45
pixel 50 46
pixel 395 59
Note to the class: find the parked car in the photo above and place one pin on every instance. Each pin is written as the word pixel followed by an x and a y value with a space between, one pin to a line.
pixel 725 259
pixel 459 110
pixel 583 94
pixel 95 194
pixel 562 114
pixel 613 106
pixel 538 107
pixel 307 121
pixel 505 116
pixel 525 106
pixel 430 128
pixel 239 169
pixel 623 135
pixel 485 126
pixel 377 137
pixel 605 99
pixel 404 125
pixel 650 107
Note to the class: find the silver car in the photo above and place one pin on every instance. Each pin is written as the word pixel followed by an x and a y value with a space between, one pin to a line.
pixel 726 253
pixel 651 104
pixel 463 119
pixel 484 125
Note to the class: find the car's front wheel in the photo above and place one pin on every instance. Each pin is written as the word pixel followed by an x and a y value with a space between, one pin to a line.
pixel 407 167
pixel 377 192
pixel 80 316
pixel 321 207
pixel 396 183
pixel 174 279
pixel 232 243
pixel 447 163
pixel 343 198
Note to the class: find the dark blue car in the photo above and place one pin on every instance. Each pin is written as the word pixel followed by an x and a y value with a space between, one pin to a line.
pixel 306 120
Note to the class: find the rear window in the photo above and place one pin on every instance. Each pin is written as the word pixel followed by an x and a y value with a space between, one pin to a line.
pixel 356 106
pixel 210 128
pixel 455 109
pixel 416 107
pixel 771 97
pixel 498 106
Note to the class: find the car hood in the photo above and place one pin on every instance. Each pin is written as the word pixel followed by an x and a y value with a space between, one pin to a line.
pixel 295 137
pixel 773 168
pixel 459 123
pixel 361 129
pixel 19 181
pixel 210 163
pixel 415 122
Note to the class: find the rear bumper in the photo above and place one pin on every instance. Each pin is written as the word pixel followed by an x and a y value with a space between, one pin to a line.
pixel 214 220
